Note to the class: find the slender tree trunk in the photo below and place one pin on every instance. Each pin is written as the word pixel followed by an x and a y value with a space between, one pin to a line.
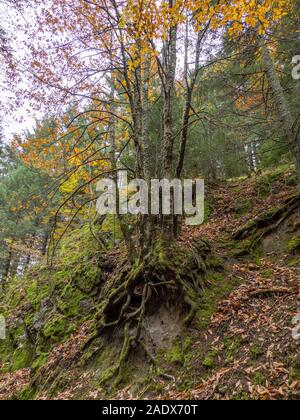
pixel 168 137
pixel 28 258
pixel 14 265
pixel 212 161
pixel 189 86
pixel 27 263
pixel 147 221
pixel 170 61
pixel 283 110
pixel 7 267
pixel 112 141
pixel 45 243
pixel 252 157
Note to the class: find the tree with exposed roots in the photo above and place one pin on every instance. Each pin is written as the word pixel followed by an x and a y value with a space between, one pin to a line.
pixel 113 60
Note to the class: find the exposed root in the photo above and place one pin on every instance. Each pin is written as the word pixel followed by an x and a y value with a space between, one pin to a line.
pixel 256 230
pixel 178 274
pixel 269 222
pixel 267 292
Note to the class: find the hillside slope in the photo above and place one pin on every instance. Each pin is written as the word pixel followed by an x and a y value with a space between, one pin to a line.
pixel 239 346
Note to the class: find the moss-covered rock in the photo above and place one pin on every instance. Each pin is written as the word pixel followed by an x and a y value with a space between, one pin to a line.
pixel 69 300
pixel 58 328
pixel 21 357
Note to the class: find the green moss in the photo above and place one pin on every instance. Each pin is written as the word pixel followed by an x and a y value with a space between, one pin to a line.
pixel 264 188
pixel 179 352
pixel 160 252
pixel 69 301
pixel 241 396
pixel 159 388
pixel 291 181
pixel 257 259
pixel 209 360
pixel 232 345
pixel 258 255
pixel 32 291
pixel 239 248
pixel 106 375
pixel 103 360
pixel 295 374
pixel 42 294
pixel 259 379
pixel 21 358
pixel 267 274
pixel 27 393
pixel 294 262
pixel 256 351
pixel 294 244
pixel 207 210
pixel 243 205
pixel 174 355
pixel 58 328
pixel 14 356
pixel 124 376
pixel 39 361
pixel 15 299
pixel 215 263
pixel 79 245
pixel 187 344
pixel 16 332
pixel 87 276
pixel 216 277
pixel 6 352
pixel 265 183
pixel 221 285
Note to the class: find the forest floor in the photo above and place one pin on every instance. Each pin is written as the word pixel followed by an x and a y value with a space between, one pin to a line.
pixel 246 349
pixel 250 352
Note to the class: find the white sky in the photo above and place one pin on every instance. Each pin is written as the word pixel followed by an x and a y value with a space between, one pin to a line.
pixel 11 121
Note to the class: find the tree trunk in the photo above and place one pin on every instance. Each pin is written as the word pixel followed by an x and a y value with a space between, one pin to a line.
pixel 112 141
pixel 45 243
pixel 7 266
pixel 14 266
pixel 170 60
pixel 283 110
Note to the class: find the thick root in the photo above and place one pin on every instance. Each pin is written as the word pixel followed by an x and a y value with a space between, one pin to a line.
pixel 166 273
pixel 256 230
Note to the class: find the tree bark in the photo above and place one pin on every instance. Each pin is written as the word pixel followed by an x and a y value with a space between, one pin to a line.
pixel 189 86
pixel 6 270
pixel 112 141
pixel 169 61
pixel 282 106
